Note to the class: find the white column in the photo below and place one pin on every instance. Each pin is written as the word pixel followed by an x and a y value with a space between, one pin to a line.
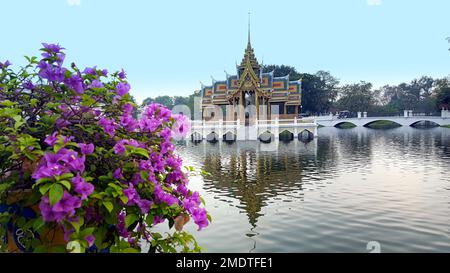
pixel 405 113
pixel 359 114
pixel 203 129
pixel 220 129
pixel 365 114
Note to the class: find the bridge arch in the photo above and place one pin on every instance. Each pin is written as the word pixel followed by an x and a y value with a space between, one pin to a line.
pixel 229 137
pixel 212 137
pixel 196 137
pixel 286 135
pixel 305 135
pixel 382 124
pixel 266 137
pixel 434 123
pixel 345 125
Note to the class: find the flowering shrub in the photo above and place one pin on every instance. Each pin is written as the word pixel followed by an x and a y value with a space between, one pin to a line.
pixel 73 149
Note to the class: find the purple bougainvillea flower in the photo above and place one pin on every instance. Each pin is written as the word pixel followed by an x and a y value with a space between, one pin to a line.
pixel 131 194
pixel 163 197
pixel 48 214
pixel 62 209
pixel 55 48
pixel 174 162
pixel 122 88
pixel 60 58
pixel 5 64
pixel 181 126
pixel 90 70
pixel 49 170
pixel 158 162
pixel 96 84
pixel 67 139
pixel 119 148
pixel 165 133
pixel 182 189
pixel 157 219
pixel 77 164
pixel 62 123
pixel 109 126
pixel 128 108
pixel 122 75
pixel 105 72
pixel 200 218
pixel 117 174
pixel 165 114
pixel 137 179
pixel 67 232
pixel 51 139
pixel 120 227
pixel 52 73
pixel 81 187
pixel 149 125
pixel 75 82
pixel 28 85
pixel 144 205
pixel 90 239
pixel 128 122
pixel 67 204
pixel 86 149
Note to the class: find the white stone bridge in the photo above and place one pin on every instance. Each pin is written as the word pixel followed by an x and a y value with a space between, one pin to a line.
pixel 408 119
pixel 263 130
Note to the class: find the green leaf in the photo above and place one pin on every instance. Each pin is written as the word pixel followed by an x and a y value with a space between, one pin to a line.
pixel 38 223
pixel 40 249
pixel 66 184
pixel 66 175
pixel 108 205
pixel 208 216
pixel 149 219
pixel 124 199
pixel 139 151
pixel 56 193
pixel 130 219
pixel 7 103
pixel 87 231
pixel 44 188
pixel 33 102
pixel 130 250
pixel 78 224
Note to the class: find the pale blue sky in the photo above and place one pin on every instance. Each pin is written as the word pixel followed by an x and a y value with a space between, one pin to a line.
pixel 167 47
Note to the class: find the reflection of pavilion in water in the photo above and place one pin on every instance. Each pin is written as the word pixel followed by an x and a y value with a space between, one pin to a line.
pixel 252 176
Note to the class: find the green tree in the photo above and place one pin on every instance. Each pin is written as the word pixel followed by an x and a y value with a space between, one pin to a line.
pixel 167 101
pixel 282 70
pixel 358 97
pixel 443 97
pixel 319 90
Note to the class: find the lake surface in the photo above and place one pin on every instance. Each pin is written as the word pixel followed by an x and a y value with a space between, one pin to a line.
pixel 336 193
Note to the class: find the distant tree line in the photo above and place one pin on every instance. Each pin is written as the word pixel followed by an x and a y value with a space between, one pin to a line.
pixel 322 93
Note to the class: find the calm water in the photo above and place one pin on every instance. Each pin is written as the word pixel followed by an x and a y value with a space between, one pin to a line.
pixel 334 194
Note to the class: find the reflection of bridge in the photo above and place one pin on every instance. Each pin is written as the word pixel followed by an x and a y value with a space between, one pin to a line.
pixel 264 130
pixel 407 120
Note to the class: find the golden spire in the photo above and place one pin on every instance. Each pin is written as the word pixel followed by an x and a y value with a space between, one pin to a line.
pixel 248 43
pixel 249 55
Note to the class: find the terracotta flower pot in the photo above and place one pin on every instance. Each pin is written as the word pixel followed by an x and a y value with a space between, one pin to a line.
pixel 16 237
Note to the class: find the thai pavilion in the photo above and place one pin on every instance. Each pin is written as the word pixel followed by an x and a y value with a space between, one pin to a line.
pixel 251 89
